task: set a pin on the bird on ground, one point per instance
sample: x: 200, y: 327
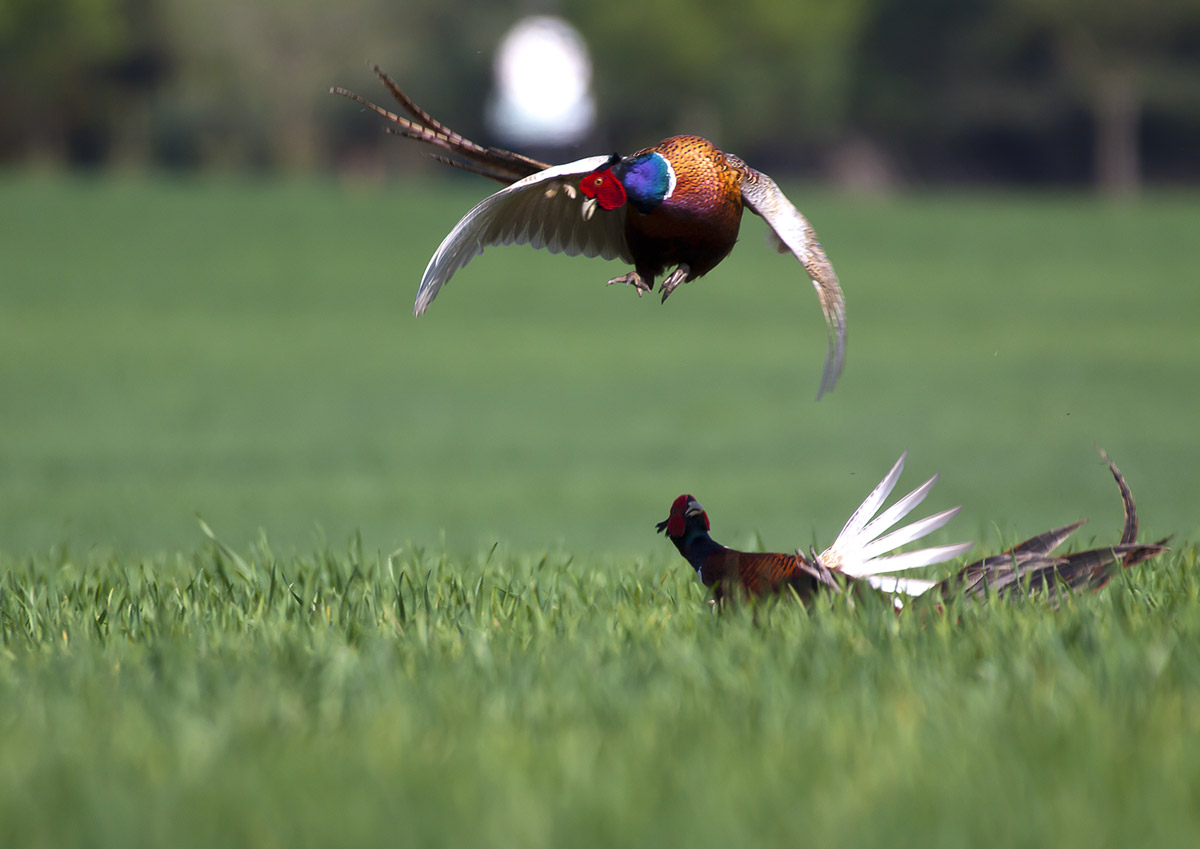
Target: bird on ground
x: 860, y: 558
x: 675, y: 205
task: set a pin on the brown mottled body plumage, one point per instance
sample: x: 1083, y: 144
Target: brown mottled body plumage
x: 697, y: 226
x: 757, y: 574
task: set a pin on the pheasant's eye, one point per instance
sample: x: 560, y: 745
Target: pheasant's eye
x: 605, y: 188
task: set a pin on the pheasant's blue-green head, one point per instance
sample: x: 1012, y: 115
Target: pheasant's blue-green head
x: 645, y: 181
x: 648, y: 178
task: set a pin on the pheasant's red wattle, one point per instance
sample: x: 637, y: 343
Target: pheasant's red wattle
x: 604, y: 187
x: 675, y: 525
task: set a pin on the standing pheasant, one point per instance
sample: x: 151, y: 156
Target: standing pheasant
x: 859, y: 556
x: 676, y: 205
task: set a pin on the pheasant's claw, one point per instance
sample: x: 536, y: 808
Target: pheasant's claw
x: 679, y: 275
x: 632, y: 279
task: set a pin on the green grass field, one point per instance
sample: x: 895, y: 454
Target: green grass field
x: 356, y: 699
x: 439, y: 614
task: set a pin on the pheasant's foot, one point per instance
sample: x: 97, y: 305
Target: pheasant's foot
x: 679, y: 275
x: 632, y: 279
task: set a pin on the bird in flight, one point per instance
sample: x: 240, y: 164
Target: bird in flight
x: 677, y: 205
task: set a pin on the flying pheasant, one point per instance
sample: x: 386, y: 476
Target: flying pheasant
x: 675, y: 205
x: 859, y: 558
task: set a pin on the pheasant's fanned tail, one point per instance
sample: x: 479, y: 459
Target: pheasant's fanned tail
x: 861, y: 549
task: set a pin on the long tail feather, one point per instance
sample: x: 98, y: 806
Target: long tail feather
x: 1094, y: 569
x: 1031, y: 568
x: 522, y: 165
x: 495, y: 163
x: 481, y: 170
x: 1039, y: 546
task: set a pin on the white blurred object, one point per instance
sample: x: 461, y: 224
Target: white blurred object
x: 543, y: 79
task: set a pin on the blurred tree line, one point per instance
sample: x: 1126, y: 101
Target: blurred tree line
x: 865, y: 92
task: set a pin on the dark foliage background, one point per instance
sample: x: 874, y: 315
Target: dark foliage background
x: 864, y: 93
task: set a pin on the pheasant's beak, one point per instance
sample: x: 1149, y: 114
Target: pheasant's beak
x: 693, y: 509
x: 589, y: 209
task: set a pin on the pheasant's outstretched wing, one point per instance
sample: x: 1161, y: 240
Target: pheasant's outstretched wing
x: 861, y: 549
x: 544, y: 210
x: 796, y: 235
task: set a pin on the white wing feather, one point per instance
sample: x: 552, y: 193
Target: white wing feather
x: 905, y: 586
x: 916, y: 559
x: 860, y: 548
x: 544, y: 210
x: 793, y: 231
x: 908, y: 533
x: 870, y: 506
